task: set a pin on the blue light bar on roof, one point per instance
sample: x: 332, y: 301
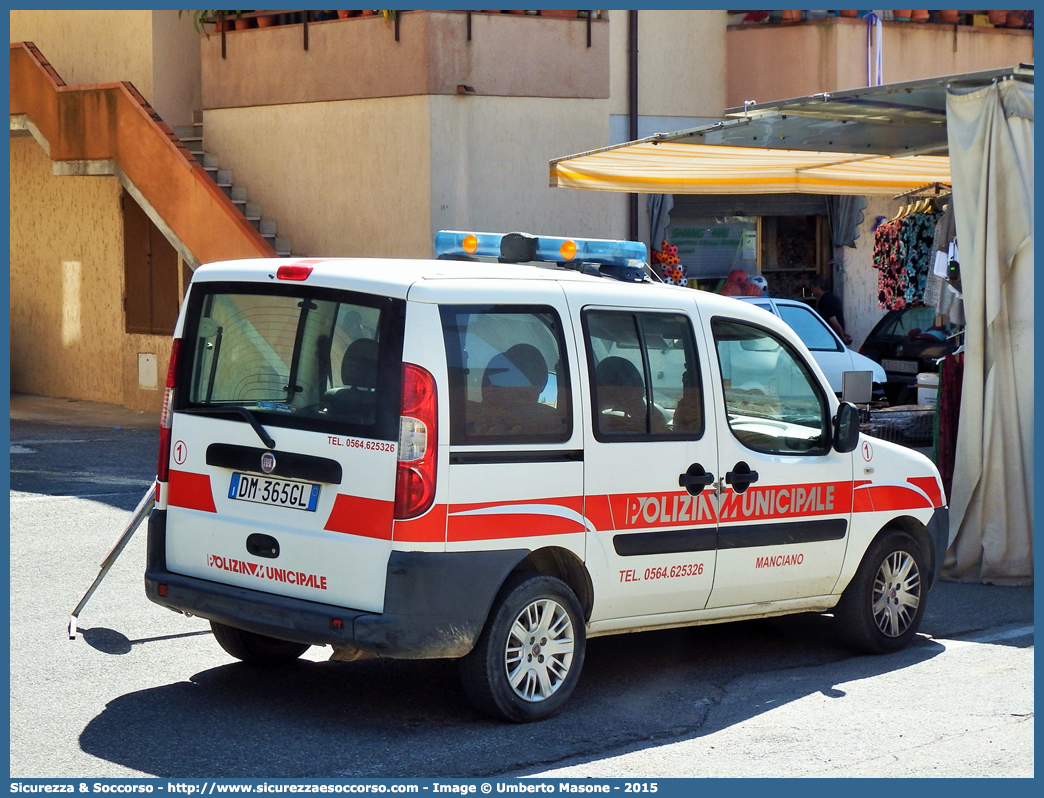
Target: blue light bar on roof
x: 551, y: 249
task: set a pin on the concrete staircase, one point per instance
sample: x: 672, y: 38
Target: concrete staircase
x: 192, y: 137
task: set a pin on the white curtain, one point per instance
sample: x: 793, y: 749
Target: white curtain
x: 991, y: 507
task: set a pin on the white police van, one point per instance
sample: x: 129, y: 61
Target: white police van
x: 496, y: 461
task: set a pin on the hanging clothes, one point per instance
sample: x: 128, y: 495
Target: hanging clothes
x: 919, y: 234
x: 903, y: 256
x: 889, y: 256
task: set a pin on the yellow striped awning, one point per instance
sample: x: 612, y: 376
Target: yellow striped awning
x: 675, y: 168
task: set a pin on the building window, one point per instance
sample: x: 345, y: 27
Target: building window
x: 151, y: 294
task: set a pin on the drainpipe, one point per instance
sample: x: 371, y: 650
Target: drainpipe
x: 632, y: 102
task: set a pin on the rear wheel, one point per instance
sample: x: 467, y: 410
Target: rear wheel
x: 527, y: 660
x: 881, y: 609
x: 254, y: 648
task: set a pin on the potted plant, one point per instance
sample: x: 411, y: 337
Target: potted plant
x: 1016, y: 19
x: 559, y: 13
x: 998, y: 17
x: 849, y: 14
x: 918, y: 16
x: 901, y: 16
x: 223, y: 20
x: 949, y: 17
x: 791, y: 16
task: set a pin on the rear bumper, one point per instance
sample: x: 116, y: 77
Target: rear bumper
x: 435, y: 603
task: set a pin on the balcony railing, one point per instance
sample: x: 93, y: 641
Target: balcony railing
x: 409, y: 53
x: 990, y: 18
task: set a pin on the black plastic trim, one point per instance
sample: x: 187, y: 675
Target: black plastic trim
x: 435, y: 603
x: 939, y: 532
x: 781, y: 534
x: 671, y: 541
x: 288, y: 464
x: 485, y: 458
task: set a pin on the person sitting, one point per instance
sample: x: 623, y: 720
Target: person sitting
x: 621, y: 399
x: 511, y: 387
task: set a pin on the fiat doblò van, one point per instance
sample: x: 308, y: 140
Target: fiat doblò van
x: 496, y: 461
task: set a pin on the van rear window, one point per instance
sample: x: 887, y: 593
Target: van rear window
x: 293, y: 356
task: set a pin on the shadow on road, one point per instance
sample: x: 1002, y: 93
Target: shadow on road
x: 109, y: 641
x: 113, y: 466
x: 394, y: 718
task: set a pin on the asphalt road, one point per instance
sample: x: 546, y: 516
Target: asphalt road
x: 144, y: 691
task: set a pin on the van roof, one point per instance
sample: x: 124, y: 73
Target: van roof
x: 394, y: 276
x: 389, y: 276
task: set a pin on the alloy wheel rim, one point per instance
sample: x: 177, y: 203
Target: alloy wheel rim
x: 539, y: 650
x: 897, y: 594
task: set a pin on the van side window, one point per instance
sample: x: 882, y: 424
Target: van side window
x: 508, y: 380
x: 644, y: 376
x: 773, y: 402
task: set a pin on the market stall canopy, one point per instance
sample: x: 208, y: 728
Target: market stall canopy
x: 652, y: 167
x: 877, y: 140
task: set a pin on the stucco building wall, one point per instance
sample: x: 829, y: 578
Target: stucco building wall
x: 66, y: 284
x: 857, y: 285
x: 66, y: 280
x: 777, y: 62
x: 348, y: 178
x: 489, y: 166
x: 157, y: 51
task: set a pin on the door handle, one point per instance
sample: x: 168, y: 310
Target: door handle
x: 740, y: 477
x: 695, y: 479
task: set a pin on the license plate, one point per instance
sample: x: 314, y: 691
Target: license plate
x: 902, y: 366
x: 275, y: 492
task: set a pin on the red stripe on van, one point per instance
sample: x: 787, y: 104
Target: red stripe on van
x: 501, y: 522
x: 190, y: 490
x: 929, y: 485
x: 599, y: 513
x: 861, y: 501
x: 428, y: 528
x: 894, y: 497
x: 368, y: 518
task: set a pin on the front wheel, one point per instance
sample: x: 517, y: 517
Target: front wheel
x: 881, y: 609
x: 527, y: 660
x: 254, y: 648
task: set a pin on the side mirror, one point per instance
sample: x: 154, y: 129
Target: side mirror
x: 846, y: 428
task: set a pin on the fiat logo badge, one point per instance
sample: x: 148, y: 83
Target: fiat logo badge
x: 268, y: 462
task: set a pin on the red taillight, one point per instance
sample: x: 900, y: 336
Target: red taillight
x: 418, y: 443
x: 167, y: 415
x: 293, y: 272
x: 161, y: 589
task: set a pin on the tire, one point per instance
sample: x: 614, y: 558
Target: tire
x: 254, y: 648
x: 528, y: 658
x: 881, y: 609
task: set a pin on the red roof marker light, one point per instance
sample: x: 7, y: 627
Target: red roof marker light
x: 293, y: 272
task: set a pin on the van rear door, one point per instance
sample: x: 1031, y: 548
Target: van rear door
x: 283, y: 441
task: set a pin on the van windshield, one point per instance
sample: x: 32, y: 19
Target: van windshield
x: 309, y: 358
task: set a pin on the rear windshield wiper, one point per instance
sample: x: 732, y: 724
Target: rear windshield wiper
x: 214, y: 410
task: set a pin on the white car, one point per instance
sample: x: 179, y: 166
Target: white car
x: 825, y: 345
